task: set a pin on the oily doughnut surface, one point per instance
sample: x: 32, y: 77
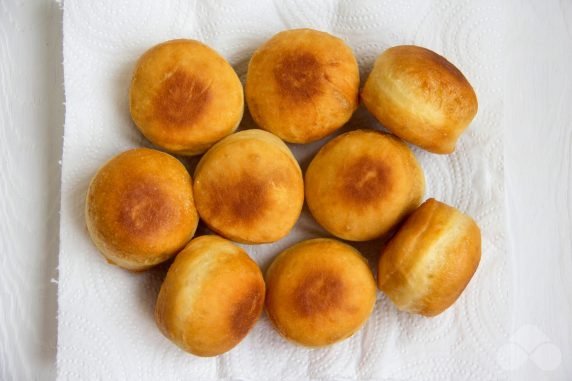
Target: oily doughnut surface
x: 362, y: 183
x: 249, y: 187
x: 185, y: 97
x: 140, y: 209
x: 302, y: 85
x: 319, y: 292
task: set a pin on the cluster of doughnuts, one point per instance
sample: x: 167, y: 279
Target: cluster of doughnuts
x: 143, y: 208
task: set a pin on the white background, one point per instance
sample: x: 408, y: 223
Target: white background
x: 538, y: 166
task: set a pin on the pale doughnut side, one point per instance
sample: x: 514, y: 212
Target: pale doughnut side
x: 421, y: 97
x: 429, y: 262
x: 211, y: 298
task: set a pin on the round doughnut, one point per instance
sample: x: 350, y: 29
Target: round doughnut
x: 211, y: 298
x: 319, y: 292
x: 184, y: 96
x: 139, y: 208
x: 302, y: 85
x: 249, y: 187
x: 363, y: 183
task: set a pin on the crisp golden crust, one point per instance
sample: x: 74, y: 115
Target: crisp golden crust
x: 302, y: 85
x: 431, y: 259
x: 362, y: 183
x: 211, y: 298
x: 249, y: 187
x: 140, y: 209
x: 421, y: 97
x: 319, y: 291
x: 184, y: 96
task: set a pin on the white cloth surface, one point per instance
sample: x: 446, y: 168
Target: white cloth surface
x: 106, y: 328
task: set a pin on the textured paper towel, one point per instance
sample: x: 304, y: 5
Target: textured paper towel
x: 106, y: 328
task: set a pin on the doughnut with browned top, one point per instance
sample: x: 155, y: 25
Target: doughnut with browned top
x: 319, y: 292
x: 249, y: 188
x: 185, y: 97
x: 140, y: 209
x: 302, y: 85
x: 362, y: 183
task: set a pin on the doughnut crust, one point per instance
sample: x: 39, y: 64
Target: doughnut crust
x: 184, y: 96
x: 420, y: 97
x: 362, y: 183
x: 249, y: 187
x: 302, y: 85
x: 319, y: 292
x: 139, y: 208
x: 429, y: 262
x: 211, y: 298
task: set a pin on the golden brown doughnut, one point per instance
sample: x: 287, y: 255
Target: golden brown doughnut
x: 249, y: 188
x: 420, y: 97
x: 211, y: 298
x: 302, y: 85
x: 362, y: 183
x: 319, y: 292
x: 429, y: 262
x: 139, y: 208
x: 184, y: 96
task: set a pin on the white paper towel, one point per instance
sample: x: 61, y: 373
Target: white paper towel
x: 106, y: 327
